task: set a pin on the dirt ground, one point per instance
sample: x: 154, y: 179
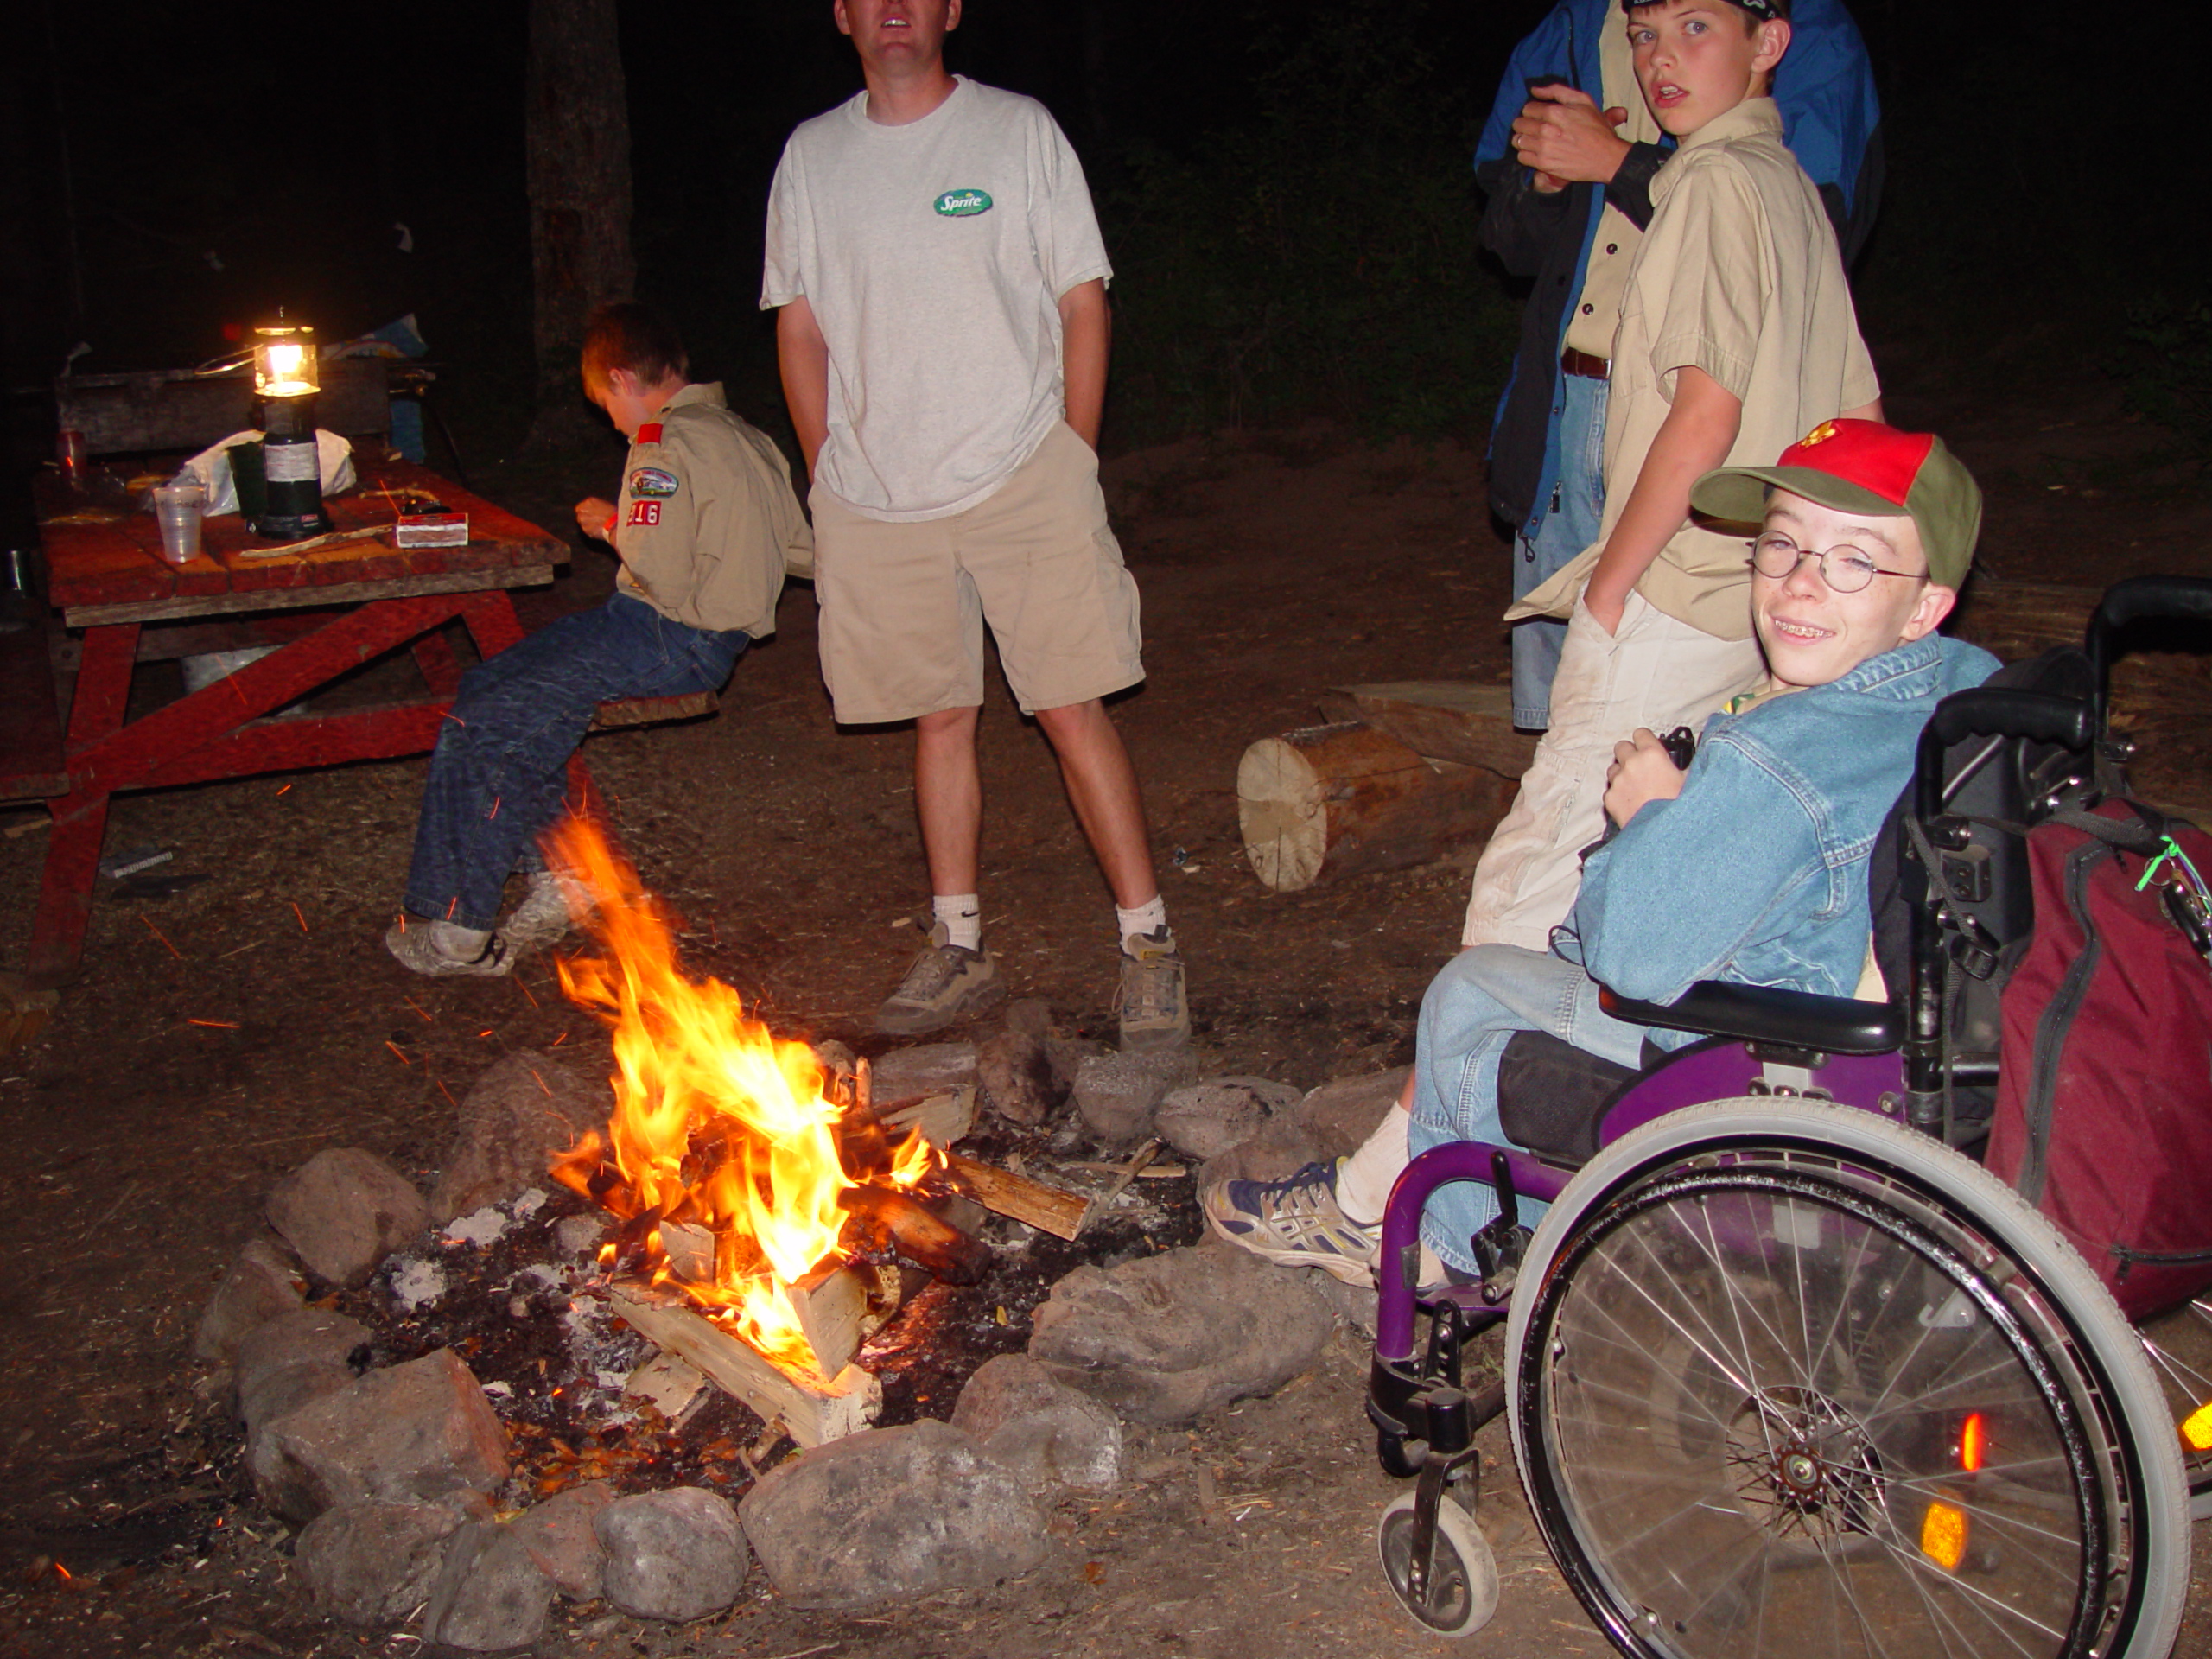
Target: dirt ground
x: 1272, y: 566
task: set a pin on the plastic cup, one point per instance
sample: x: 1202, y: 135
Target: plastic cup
x: 178, y: 508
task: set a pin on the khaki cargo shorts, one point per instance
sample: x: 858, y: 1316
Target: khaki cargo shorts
x: 903, y: 605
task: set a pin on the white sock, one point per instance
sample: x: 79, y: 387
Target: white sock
x: 962, y: 916
x: 1144, y: 919
x: 1364, y: 1180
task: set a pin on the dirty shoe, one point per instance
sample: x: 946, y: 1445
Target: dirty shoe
x: 1155, y: 1012
x: 1294, y: 1223
x: 547, y: 911
x: 946, y: 983
x: 440, y: 948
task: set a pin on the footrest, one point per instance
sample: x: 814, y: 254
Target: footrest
x: 652, y: 711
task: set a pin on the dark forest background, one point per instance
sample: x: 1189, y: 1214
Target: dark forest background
x: 1286, y: 189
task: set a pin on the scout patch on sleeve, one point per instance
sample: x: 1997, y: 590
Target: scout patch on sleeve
x: 652, y: 482
x: 645, y: 512
x: 964, y: 204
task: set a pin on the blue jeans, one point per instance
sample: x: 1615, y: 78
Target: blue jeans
x: 1471, y: 1010
x: 1563, y: 526
x: 497, y: 775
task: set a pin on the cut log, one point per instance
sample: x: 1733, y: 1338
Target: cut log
x: 1440, y: 720
x: 813, y: 1411
x: 1046, y: 1208
x: 942, y: 1119
x: 927, y: 1241
x: 840, y: 1306
x: 1333, y: 801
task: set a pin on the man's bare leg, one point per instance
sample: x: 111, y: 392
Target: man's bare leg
x: 953, y: 977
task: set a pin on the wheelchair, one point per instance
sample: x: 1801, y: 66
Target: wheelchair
x: 1786, y: 1370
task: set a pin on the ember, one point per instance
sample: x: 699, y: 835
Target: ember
x: 718, y: 1124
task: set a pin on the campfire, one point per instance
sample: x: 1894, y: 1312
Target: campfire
x: 750, y: 1178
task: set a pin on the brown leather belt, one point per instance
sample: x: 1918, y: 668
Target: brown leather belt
x: 1582, y: 363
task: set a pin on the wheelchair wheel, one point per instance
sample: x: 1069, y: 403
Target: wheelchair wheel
x: 1787, y: 1378
x: 1462, y: 1589
x: 2180, y: 1347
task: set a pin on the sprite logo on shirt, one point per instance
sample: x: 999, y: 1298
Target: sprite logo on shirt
x: 964, y: 204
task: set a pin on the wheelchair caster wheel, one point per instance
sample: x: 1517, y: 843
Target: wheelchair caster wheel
x: 1400, y: 1457
x: 1462, y: 1589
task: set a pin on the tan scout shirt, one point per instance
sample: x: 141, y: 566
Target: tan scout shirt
x: 1596, y: 315
x: 706, y: 521
x: 1739, y: 275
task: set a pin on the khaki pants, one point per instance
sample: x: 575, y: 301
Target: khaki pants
x: 1655, y: 672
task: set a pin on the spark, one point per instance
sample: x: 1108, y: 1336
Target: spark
x: 163, y: 937
x: 457, y: 719
x: 218, y: 1025
x: 525, y: 990
x: 452, y: 907
x: 302, y: 914
x: 562, y: 1039
x: 447, y: 1092
x: 486, y: 1032
x: 541, y: 1082
x: 494, y: 812
x: 396, y: 1049
x: 418, y: 1007
x: 282, y: 791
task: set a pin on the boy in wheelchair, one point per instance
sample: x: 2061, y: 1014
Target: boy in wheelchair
x: 1751, y: 867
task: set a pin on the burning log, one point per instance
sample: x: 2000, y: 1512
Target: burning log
x: 1046, y: 1208
x: 919, y: 1237
x: 813, y: 1411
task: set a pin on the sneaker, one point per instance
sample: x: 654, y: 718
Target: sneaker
x: 1294, y: 1223
x: 547, y: 911
x: 946, y: 983
x: 1155, y: 1012
x: 432, y: 948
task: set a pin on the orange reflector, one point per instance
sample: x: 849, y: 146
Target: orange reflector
x: 1943, y: 1536
x: 2197, y: 1429
x: 1973, y: 1440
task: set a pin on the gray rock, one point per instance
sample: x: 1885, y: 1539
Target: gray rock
x: 676, y: 1554
x: 559, y: 1536
x: 259, y: 1286
x: 405, y: 1434
x: 1283, y: 1147
x: 581, y: 1234
x: 1067, y: 1055
x: 889, y: 1514
x: 490, y: 1594
x: 1015, y: 1077
x: 1165, y: 1338
x: 284, y: 1361
x: 374, y: 1564
x: 917, y: 1072
x: 1206, y: 1119
x: 1031, y: 1015
x: 1038, y: 1426
x: 519, y: 1113
x: 1341, y: 1115
x: 1118, y: 1094
x: 343, y: 1211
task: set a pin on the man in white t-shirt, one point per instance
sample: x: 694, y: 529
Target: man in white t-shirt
x: 940, y: 287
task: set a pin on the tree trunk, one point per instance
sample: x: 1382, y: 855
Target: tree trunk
x: 579, y: 159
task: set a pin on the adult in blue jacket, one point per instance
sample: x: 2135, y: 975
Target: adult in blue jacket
x: 1565, y: 162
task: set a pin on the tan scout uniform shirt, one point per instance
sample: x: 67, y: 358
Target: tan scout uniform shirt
x: 706, y: 521
x: 1596, y: 315
x: 1739, y: 275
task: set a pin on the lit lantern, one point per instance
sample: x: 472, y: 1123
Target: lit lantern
x: 285, y: 382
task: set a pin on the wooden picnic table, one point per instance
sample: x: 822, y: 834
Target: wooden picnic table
x: 326, y: 611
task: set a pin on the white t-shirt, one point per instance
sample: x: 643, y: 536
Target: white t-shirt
x: 933, y: 256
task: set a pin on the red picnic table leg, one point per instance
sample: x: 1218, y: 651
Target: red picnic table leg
x: 73, y: 855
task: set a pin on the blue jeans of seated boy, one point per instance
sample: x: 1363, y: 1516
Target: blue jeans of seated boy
x: 1471, y: 1009
x: 1556, y: 536
x: 498, y: 776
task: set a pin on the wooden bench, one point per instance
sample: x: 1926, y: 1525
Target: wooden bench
x: 653, y: 711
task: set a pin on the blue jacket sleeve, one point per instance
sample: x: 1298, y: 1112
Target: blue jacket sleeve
x: 1548, y: 49
x: 1830, y: 109
x: 1691, y: 882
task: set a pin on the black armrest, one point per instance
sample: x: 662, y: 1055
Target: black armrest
x: 1760, y: 1014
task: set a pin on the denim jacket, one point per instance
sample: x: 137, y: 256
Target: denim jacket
x: 1757, y: 871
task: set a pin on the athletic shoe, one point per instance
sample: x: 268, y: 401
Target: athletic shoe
x: 432, y: 948
x: 547, y: 911
x: 1294, y: 1223
x: 1155, y: 1012
x: 946, y: 983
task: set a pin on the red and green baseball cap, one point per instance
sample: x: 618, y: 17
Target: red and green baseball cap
x: 1864, y: 467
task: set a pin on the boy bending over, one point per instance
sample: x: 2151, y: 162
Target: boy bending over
x: 1749, y: 868
x: 704, y: 525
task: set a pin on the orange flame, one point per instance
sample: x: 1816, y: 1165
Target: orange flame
x: 717, y: 1122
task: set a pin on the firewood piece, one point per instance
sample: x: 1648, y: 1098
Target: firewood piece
x: 1048, y: 1209
x: 1122, y: 1176
x: 1440, y: 720
x: 1328, y: 802
x: 835, y: 1304
x: 814, y: 1412
x: 690, y: 1250
x: 942, y: 1119
x: 919, y: 1237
